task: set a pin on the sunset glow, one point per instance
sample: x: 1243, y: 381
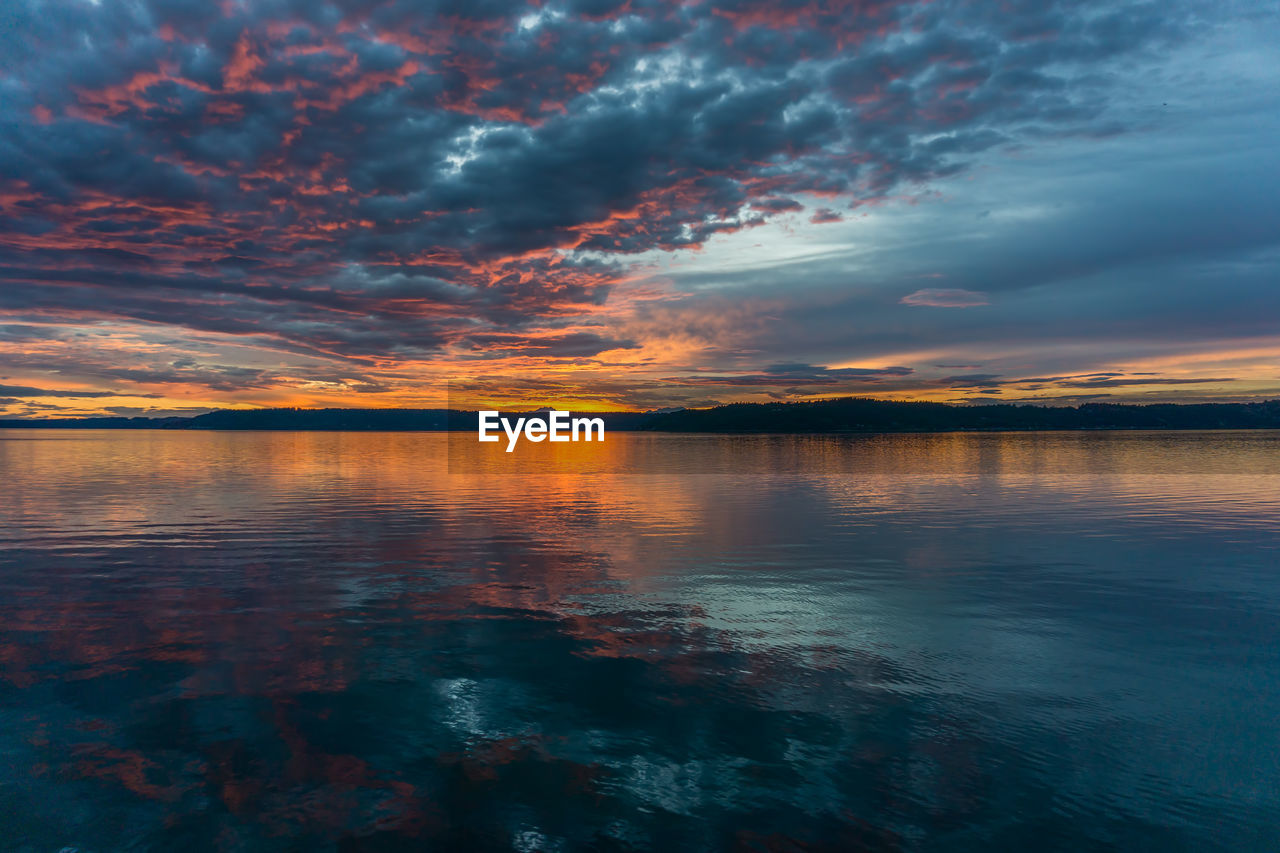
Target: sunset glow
x: 637, y: 205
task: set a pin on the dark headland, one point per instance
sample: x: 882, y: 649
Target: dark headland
x: 852, y: 414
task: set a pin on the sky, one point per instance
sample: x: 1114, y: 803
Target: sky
x: 635, y: 205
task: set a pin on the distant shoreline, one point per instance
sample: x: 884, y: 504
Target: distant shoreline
x: 851, y: 415
x: 940, y: 431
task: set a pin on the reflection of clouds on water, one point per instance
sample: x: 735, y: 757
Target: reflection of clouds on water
x: 245, y: 643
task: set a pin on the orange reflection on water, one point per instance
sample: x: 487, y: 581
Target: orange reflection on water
x: 399, y: 635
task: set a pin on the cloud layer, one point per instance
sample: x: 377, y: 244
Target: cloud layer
x: 298, y: 202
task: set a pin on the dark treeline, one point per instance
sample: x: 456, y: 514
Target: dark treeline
x: 851, y: 414
x: 854, y: 414
x: 354, y: 420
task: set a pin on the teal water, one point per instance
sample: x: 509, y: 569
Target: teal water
x: 340, y: 641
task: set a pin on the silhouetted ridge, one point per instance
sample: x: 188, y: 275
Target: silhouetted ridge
x: 315, y: 420
x: 854, y: 414
x: 850, y: 414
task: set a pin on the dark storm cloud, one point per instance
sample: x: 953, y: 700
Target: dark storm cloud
x: 809, y: 371
x: 1092, y: 257
x: 1117, y: 383
x: 568, y: 345
x: 380, y: 181
x: 780, y: 375
x: 993, y: 382
x: 972, y: 380
x: 23, y: 391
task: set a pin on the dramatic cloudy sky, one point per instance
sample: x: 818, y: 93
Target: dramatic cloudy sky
x: 635, y: 204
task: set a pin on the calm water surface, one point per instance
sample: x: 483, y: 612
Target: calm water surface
x: 329, y: 641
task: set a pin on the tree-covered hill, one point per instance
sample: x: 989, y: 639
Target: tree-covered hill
x: 850, y: 414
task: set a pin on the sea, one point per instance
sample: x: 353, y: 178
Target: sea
x: 328, y: 641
